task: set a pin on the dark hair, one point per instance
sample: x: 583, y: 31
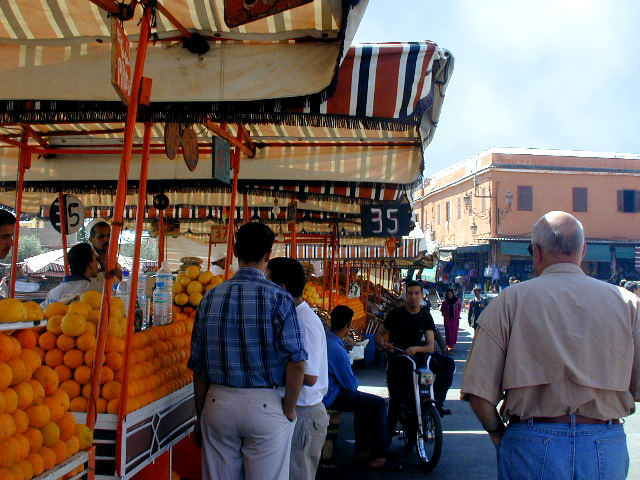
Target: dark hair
x: 92, y: 232
x: 623, y: 282
x: 341, y: 316
x: 80, y: 256
x: 288, y: 272
x: 253, y: 241
x: 631, y: 285
x: 6, y: 218
x: 413, y: 283
x: 450, y: 290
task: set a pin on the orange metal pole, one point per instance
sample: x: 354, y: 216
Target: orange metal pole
x: 24, y: 161
x: 161, y: 239
x: 63, y: 229
x: 209, y: 258
x: 245, y: 208
x: 133, y: 294
x: 237, y: 152
x: 116, y: 227
x: 325, y: 272
x: 346, y: 264
x: 294, y: 240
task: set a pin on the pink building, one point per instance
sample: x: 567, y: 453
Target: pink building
x: 481, y: 210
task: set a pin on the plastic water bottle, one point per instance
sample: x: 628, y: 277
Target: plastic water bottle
x: 160, y: 305
x: 165, y: 277
x: 122, y: 290
x: 142, y: 298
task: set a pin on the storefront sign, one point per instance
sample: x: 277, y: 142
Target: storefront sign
x: 221, y: 151
x: 74, y: 214
x: 121, y: 78
x: 386, y: 220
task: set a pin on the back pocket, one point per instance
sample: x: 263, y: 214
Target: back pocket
x: 613, y: 458
x: 522, y: 458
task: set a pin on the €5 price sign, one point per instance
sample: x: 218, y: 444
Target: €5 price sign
x: 74, y: 214
x: 389, y: 219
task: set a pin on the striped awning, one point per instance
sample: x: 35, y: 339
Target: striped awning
x: 407, y: 249
x: 294, y: 53
x: 638, y: 258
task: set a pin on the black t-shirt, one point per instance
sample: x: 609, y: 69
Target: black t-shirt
x: 407, y: 329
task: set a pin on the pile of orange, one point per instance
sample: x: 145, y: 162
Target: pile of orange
x: 314, y: 293
x: 37, y: 431
x: 192, y: 284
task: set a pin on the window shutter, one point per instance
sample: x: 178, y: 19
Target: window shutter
x: 620, y: 200
x: 579, y: 199
x: 525, y: 198
x: 637, y: 209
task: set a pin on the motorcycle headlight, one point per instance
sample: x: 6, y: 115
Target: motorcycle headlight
x: 425, y: 376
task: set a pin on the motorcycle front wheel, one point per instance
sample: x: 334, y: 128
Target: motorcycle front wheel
x: 429, y: 443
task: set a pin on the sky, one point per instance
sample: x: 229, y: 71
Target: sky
x: 552, y: 74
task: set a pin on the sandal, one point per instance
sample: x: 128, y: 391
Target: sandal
x: 388, y: 466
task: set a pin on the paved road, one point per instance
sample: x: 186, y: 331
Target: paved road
x: 467, y: 451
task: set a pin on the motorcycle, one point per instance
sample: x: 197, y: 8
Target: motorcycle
x: 419, y: 416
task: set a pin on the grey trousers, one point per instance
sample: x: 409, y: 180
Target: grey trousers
x: 245, y: 435
x: 308, y: 439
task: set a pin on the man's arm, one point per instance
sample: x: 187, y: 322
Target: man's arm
x: 379, y: 338
x: 309, y: 380
x: 200, y: 388
x: 489, y: 417
x: 428, y: 348
x: 295, y: 376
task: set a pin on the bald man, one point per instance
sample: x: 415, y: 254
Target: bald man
x: 563, y: 352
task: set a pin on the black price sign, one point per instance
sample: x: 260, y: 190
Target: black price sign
x: 74, y: 216
x: 386, y: 220
x: 292, y: 211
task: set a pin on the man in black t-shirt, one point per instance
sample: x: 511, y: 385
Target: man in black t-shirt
x: 411, y: 329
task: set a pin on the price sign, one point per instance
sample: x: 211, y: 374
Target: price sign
x: 121, y: 78
x: 292, y: 210
x: 74, y: 216
x: 386, y: 220
x: 219, y: 233
x: 221, y: 152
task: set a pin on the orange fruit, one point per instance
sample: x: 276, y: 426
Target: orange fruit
x: 39, y: 415
x: 92, y: 298
x: 55, y: 308
x: 78, y: 404
x: 82, y: 375
x: 86, y: 391
x: 37, y: 463
x: 12, y: 310
x: 73, y: 324
x: 6, y: 347
x: 7, y: 454
x: 48, y: 378
x: 82, y: 308
x: 19, y: 369
x: 64, y: 373
x: 67, y: 426
x: 111, y: 344
x: 31, y: 359
x: 21, y: 419
x: 48, y: 457
x: 89, y: 356
x: 73, y: 359
x: 85, y: 436
x: 54, y: 324
x: 27, y: 338
x: 17, y: 472
x: 62, y: 397
x: 11, y: 400
x: 92, y: 329
x: 55, y: 409
x: 7, y: 426
x: 72, y: 388
x: 27, y: 469
x: 85, y: 341
x: 114, y: 360
x: 101, y: 405
x: 24, y: 390
x: 38, y: 391
x: 112, y: 406
x: 6, y: 375
x: 60, y: 450
x: 17, y: 348
x: 47, y: 341
x: 54, y: 357
x: 3, y: 405
x: 106, y: 376
x: 34, y: 436
x: 111, y: 390
x: 50, y: 434
x: 73, y: 445
x: 40, y: 352
x: 24, y: 444
x: 65, y: 342
x: 6, y: 474
x: 93, y: 318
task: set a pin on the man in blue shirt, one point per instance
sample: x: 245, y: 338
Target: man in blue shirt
x: 246, y: 341
x: 370, y: 411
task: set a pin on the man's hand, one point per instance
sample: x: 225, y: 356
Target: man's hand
x: 496, y: 438
x: 387, y: 347
x: 197, y: 434
x: 289, y: 413
x: 411, y: 351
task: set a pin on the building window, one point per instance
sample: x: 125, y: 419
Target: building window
x: 629, y: 201
x: 470, y: 205
x: 448, y: 211
x: 579, y: 199
x: 525, y: 198
x: 484, y: 199
x: 437, y: 214
x: 459, y: 208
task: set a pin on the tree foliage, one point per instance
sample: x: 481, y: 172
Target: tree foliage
x: 148, y: 249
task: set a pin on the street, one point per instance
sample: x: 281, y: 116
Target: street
x: 467, y: 450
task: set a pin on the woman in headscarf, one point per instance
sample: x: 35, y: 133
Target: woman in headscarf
x: 450, y: 309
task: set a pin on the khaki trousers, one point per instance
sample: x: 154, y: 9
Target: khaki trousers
x: 308, y: 439
x: 245, y: 435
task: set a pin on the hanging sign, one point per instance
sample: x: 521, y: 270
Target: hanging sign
x: 390, y: 219
x: 171, y: 140
x: 121, y: 78
x: 239, y: 12
x: 189, y: 142
x: 74, y: 214
x: 292, y: 210
x: 219, y: 233
x: 221, y: 151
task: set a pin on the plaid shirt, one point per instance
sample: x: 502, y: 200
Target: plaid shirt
x: 245, y: 333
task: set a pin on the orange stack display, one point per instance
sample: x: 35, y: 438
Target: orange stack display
x: 313, y: 294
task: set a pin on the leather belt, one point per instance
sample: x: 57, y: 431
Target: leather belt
x: 562, y: 419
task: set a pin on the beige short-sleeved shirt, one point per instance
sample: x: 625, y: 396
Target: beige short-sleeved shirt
x: 561, y: 343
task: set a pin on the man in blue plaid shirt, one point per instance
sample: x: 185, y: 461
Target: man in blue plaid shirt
x: 246, y: 343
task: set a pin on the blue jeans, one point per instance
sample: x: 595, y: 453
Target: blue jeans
x: 553, y: 451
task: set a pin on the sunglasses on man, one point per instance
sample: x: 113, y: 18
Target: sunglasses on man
x: 530, y: 249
